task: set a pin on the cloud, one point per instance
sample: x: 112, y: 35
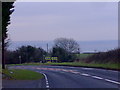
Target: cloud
x: 47, y: 21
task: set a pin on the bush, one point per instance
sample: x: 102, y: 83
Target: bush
x: 105, y: 57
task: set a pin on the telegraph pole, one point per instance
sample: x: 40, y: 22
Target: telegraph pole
x: 47, y: 50
x: 47, y: 47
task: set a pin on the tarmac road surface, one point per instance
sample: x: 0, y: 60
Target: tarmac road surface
x: 71, y: 77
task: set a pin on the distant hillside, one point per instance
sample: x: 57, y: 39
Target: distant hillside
x: 86, y: 46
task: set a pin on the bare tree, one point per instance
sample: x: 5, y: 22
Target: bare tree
x: 70, y: 45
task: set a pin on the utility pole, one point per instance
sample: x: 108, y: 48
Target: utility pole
x: 47, y: 50
x: 78, y: 54
x: 95, y: 51
x: 47, y: 47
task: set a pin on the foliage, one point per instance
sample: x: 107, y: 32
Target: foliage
x: 105, y: 57
x: 65, y: 49
x: 70, y: 45
x: 62, y: 54
x: 25, y: 54
x: 7, y: 9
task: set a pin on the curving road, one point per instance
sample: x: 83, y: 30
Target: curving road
x: 74, y: 77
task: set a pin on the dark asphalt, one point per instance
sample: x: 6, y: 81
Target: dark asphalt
x: 71, y: 77
x: 23, y: 83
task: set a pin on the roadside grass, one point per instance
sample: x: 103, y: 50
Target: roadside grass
x: 25, y: 64
x: 95, y: 65
x: 109, y: 65
x: 21, y: 74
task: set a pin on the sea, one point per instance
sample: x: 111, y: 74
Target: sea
x: 85, y: 46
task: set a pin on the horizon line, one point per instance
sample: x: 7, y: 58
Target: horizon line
x: 53, y: 40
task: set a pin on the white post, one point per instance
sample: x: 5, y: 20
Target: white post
x: 20, y: 59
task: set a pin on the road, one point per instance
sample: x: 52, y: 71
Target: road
x: 75, y: 77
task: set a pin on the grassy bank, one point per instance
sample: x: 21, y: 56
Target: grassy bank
x: 94, y: 65
x: 20, y: 74
x: 81, y: 64
x: 26, y: 64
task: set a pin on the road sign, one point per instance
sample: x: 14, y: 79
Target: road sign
x: 47, y: 58
x: 54, y: 58
x: 51, y: 58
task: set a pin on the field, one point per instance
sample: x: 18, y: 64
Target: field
x: 83, y: 55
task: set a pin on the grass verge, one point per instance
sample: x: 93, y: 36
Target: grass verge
x: 26, y: 64
x: 113, y: 66
x: 21, y: 74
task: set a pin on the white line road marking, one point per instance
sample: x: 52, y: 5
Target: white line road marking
x: 64, y: 70
x: 87, y: 68
x: 46, y: 81
x: 101, y: 78
x: 85, y: 74
x: 75, y: 72
x: 112, y: 81
x: 47, y: 84
x: 96, y: 77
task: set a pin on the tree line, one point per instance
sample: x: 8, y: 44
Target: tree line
x: 65, y: 49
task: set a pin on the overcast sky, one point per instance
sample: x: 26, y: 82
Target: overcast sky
x: 82, y: 21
